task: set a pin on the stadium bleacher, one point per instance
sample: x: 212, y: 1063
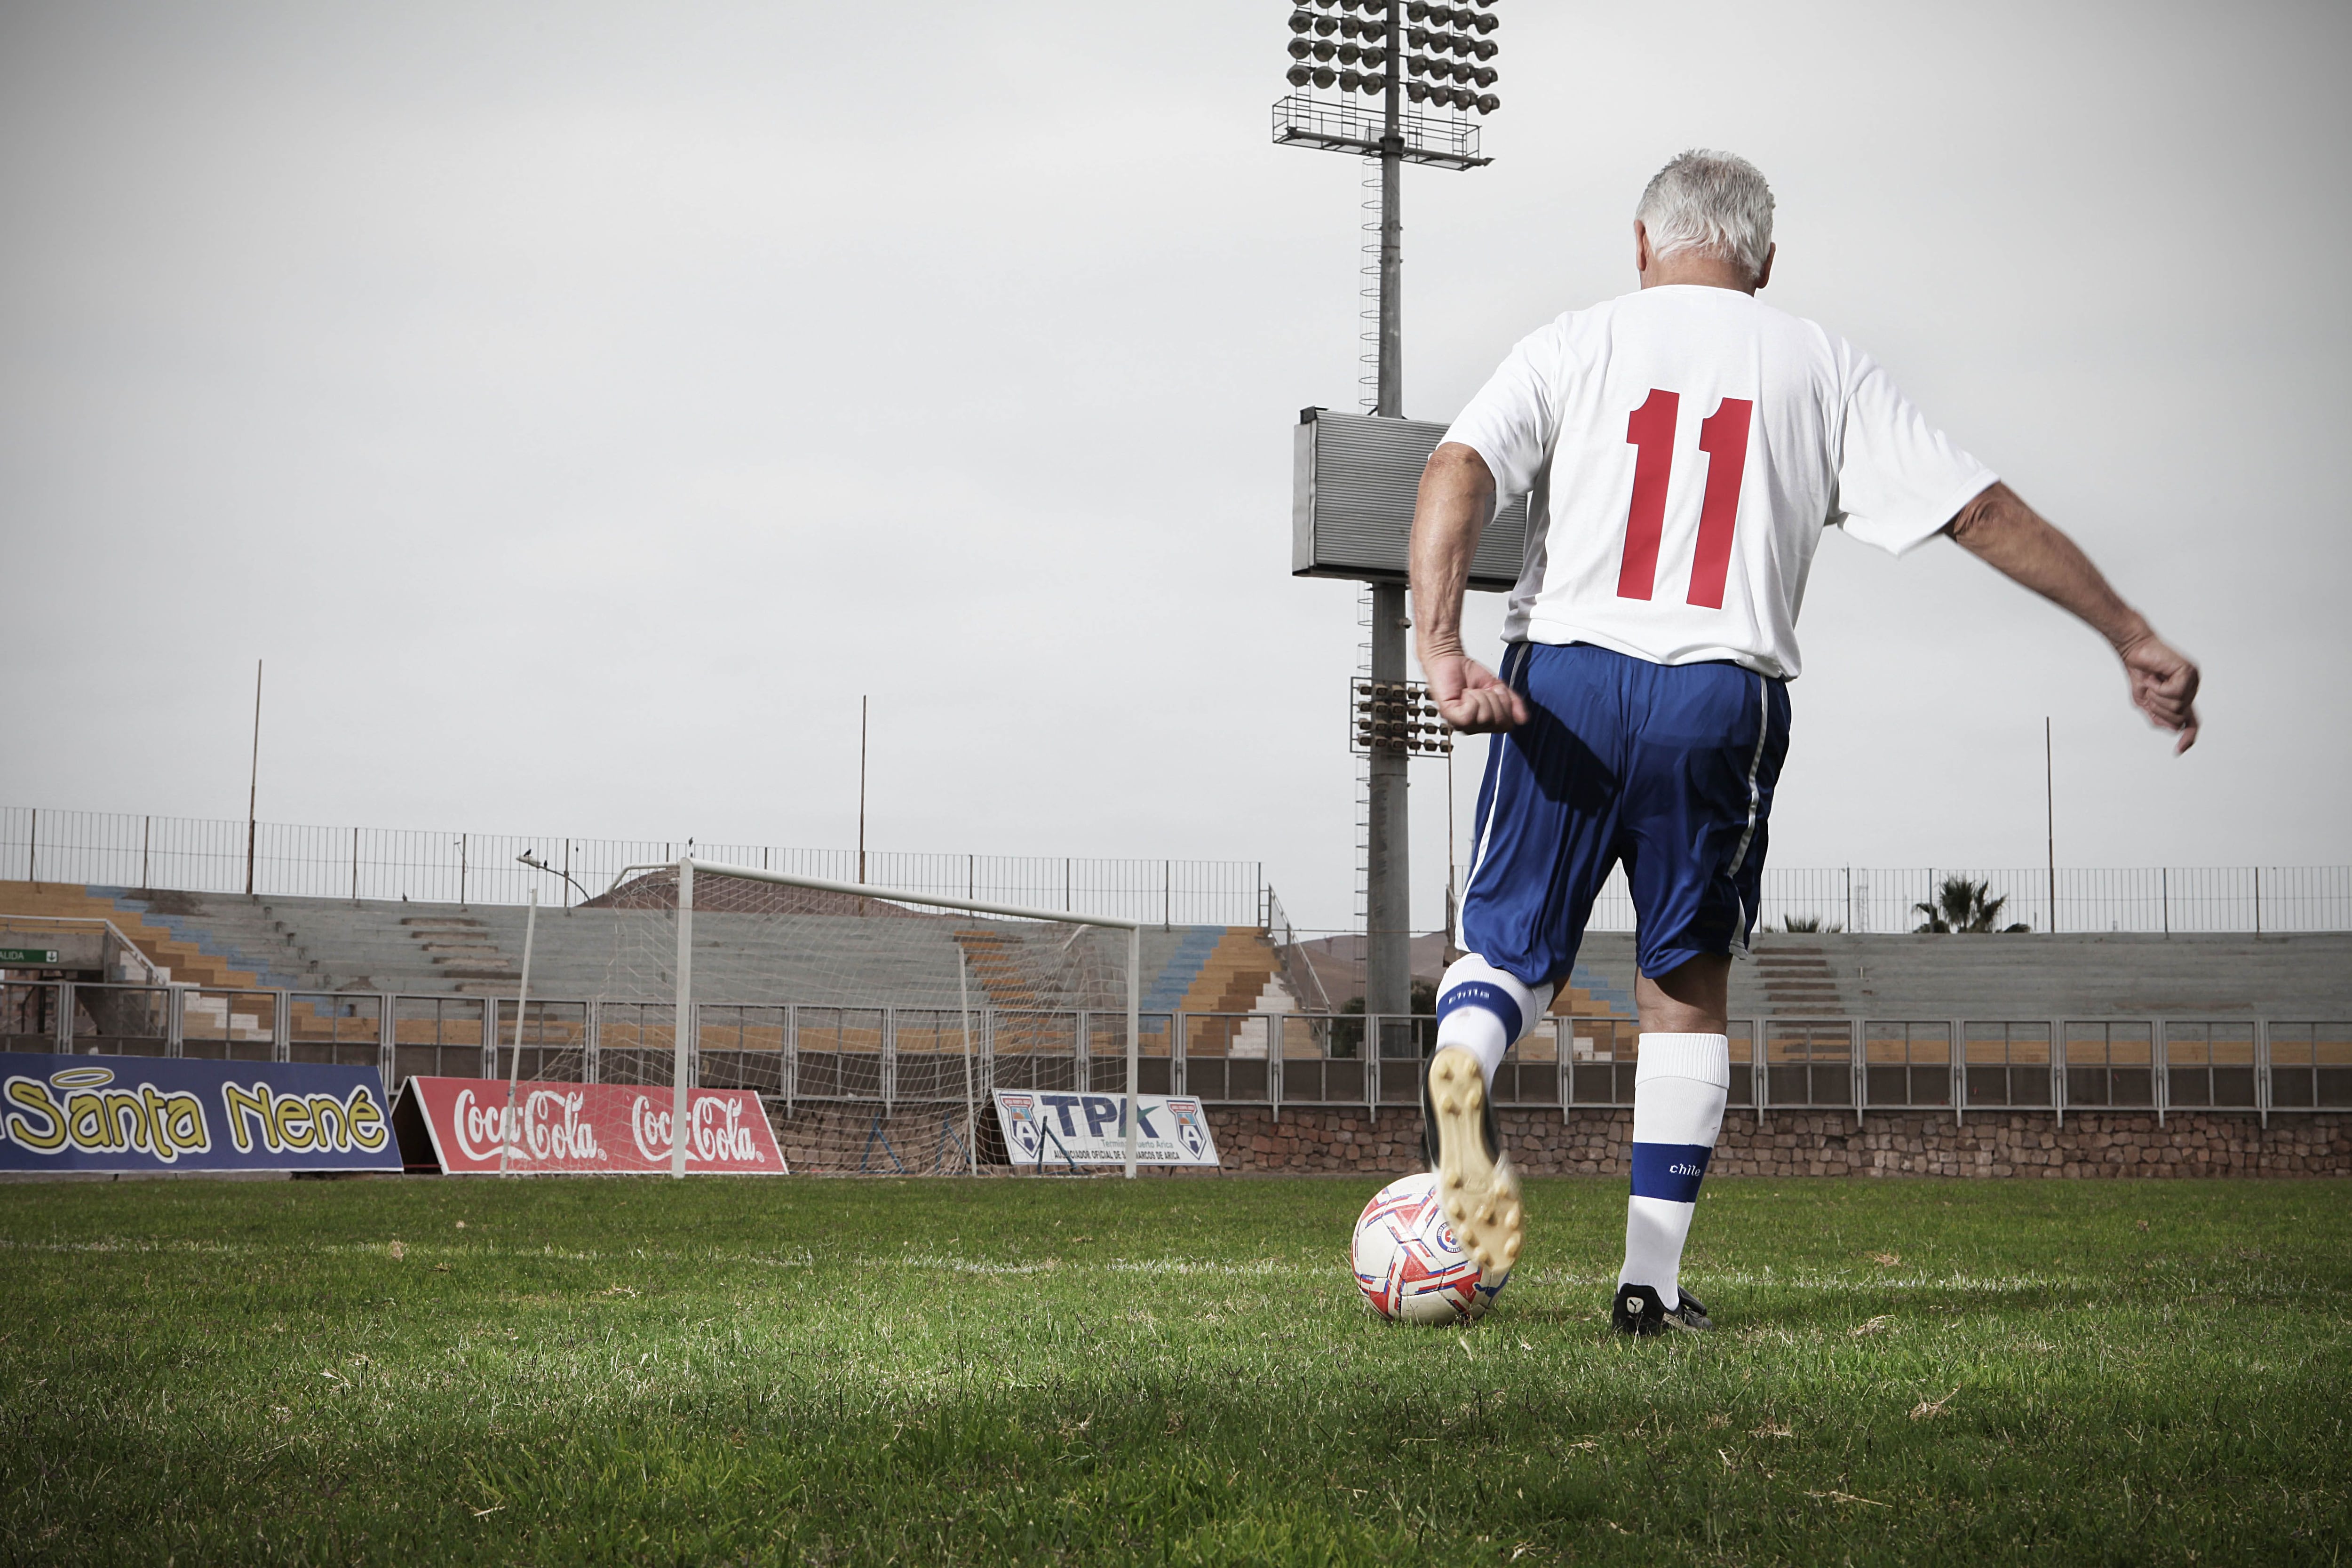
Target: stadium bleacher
x: 330, y: 944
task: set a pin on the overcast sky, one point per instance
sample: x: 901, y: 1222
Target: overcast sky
x: 580, y: 407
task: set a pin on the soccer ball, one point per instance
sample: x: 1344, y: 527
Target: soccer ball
x: 1408, y: 1264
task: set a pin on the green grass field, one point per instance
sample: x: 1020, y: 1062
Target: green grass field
x: 464, y: 1371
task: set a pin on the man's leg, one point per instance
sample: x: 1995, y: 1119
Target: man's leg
x: 1679, y: 1090
x: 1699, y: 802
x: 1546, y: 816
x: 1482, y: 1012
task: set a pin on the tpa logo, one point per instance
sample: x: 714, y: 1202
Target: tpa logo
x: 1020, y: 1123
x: 1189, y: 1131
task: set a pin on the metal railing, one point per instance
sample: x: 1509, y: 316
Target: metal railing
x: 201, y: 854
x: 2254, y: 900
x: 204, y: 855
x: 889, y: 1055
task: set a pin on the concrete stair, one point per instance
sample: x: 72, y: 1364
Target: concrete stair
x: 183, y: 958
x: 229, y: 941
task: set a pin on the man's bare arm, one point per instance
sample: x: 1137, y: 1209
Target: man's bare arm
x: 2011, y: 537
x: 1458, y: 497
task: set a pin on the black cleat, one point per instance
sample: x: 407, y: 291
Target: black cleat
x: 1636, y: 1311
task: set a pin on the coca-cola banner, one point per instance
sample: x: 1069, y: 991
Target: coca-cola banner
x: 461, y: 1125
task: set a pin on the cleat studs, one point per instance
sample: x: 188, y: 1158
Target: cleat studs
x: 1449, y: 1106
x: 1475, y: 1095
x: 1511, y: 1250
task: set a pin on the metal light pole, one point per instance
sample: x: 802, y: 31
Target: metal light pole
x: 1388, y: 839
x: 1448, y: 49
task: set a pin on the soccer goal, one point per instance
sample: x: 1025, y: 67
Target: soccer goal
x: 878, y: 1022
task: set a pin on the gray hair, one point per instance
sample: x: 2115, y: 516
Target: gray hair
x: 1715, y: 203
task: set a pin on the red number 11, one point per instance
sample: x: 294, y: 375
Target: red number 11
x: 1723, y: 436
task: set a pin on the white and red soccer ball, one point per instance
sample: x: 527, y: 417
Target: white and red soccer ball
x: 1408, y: 1264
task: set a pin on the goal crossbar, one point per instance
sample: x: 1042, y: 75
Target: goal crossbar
x: 683, y: 1031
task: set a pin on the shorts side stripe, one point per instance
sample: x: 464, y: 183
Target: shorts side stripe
x: 1755, y: 801
x: 1755, y: 766
x: 1494, y: 802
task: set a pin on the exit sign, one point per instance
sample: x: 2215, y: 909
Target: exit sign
x: 43, y: 955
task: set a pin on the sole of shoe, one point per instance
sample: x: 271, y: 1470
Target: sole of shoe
x: 1475, y: 1184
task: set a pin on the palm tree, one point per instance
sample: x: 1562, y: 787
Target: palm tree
x: 1961, y: 905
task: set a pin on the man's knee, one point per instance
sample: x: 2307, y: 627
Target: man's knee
x: 1692, y: 997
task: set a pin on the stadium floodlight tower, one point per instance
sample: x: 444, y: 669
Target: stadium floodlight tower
x: 1356, y: 477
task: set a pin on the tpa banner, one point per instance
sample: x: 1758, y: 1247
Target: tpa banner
x: 130, y: 1114
x: 581, y: 1129
x: 1053, y: 1128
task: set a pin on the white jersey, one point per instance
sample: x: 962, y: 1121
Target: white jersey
x: 1680, y: 449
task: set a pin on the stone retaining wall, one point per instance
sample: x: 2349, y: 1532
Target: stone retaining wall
x: 1306, y: 1140
x: 1820, y: 1144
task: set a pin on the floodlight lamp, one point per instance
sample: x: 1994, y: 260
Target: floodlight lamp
x: 1488, y: 103
x: 1348, y: 80
x: 1417, y: 36
x: 1486, y: 49
x: 1417, y: 65
x: 1485, y: 21
x: 1349, y: 54
x: 1300, y: 48
x: 1417, y: 90
x: 1325, y: 76
x: 1375, y: 83
x: 1376, y: 58
x: 1418, y: 11
x: 1485, y: 76
x: 1301, y: 21
x: 1324, y: 51
x: 1326, y: 26
x: 1325, y: 5
x: 1300, y: 74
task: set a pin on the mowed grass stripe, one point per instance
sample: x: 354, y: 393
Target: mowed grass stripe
x: 1161, y: 1372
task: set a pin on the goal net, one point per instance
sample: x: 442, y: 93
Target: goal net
x: 874, y: 1025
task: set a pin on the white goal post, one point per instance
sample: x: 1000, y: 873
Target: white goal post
x: 683, y: 1030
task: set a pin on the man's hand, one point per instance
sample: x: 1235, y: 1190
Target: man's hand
x: 2164, y: 686
x: 2011, y: 538
x: 1470, y: 697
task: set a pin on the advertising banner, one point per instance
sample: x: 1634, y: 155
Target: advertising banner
x: 581, y: 1129
x: 127, y: 1114
x: 1042, y: 1126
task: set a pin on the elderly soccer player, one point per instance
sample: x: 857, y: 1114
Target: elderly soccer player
x: 1682, y: 449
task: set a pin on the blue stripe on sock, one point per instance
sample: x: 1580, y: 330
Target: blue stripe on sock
x: 1669, y: 1171
x: 1480, y: 994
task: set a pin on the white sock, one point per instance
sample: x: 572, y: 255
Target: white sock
x: 1679, y: 1090
x: 1485, y: 1011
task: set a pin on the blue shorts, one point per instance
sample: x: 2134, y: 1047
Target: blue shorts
x: 1668, y: 768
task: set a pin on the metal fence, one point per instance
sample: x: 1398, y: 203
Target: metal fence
x: 886, y: 1056
x: 2255, y: 899
x: 209, y: 856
